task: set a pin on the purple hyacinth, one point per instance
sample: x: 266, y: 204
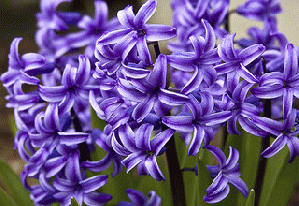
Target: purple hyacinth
x: 73, y: 185
x: 200, y: 60
x: 74, y: 86
x: 286, y: 134
x: 138, y: 198
x: 201, y: 121
x: 260, y: 9
x: 136, y: 24
x: 236, y: 61
x: 150, y: 92
x: 277, y: 84
x: 140, y: 149
x: 227, y: 172
x: 102, y: 140
x: 51, y: 19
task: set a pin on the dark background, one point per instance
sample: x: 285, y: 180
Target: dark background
x: 18, y: 20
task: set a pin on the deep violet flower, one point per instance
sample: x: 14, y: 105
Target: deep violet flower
x: 150, y: 92
x: 276, y: 84
x: 140, y: 149
x: 102, y: 140
x: 92, y: 29
x: 236, y: 61
x: 73, y: 185
x: 25, y: 68
x: 138, y: 198
x: 260, y: 9
x: 136, y: 24
x: 74, y: 85
x: 227, y: 172
x: 51, y: 19
x: 200, y: 122
x: 200, y: 60
x: 286, y: 134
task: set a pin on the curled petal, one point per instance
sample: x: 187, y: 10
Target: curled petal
x: 93, y: 183
x: 275, y: 147
x: 157, y: 32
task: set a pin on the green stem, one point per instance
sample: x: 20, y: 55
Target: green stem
x: 176, y: 177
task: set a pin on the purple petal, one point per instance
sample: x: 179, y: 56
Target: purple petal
x: 194, y: 82
x: 198, y: 136
x: 64, y: 185
x: 159, y: 73
x: 293, y: 144
x: 126, y: 17
x: 215, y: 118
x: 171, y: 98
x: 153, y: 168
x: 251, y: 53
x: 127, y: 137
x: 51, y: 117
x: 93, y: 183
x: 143, y: 51
x: 96, y: 199
x: 290, y: 61
x: 72, y: 138
x: 54, y: 165
x: 268, y: 92
x: 179, y: 123
x: 119, y: 149
x: 226, y: 48
x: 68, y: 76
x: 143, y: 108
x: 160, y: 140
x: 232, y: 160
x: 136, y: 197
x: 52, y: 94
x: 226, y: 67
x: 217, y: 197
x: 210, y: 37
x: 220, y: 156
x: 72, y: 168
x: 83, y: 72
x: 158, y: 32
x: 143, y: 135
x: 113, y: 37
x: 145, y: 13
x: 98, y: 166
x: 125, y: 45
x: 268, y: 125
x: 245, y: 74
x: 287, y: 101
x: 133, y: 159
x: 275, y: 147
x: 239, y: 184
x: 14, y: 59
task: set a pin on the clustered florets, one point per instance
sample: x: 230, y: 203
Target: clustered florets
x: 142, y: 103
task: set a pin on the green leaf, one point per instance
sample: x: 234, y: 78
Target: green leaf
x: 251, y: 198
x: 249, y: 158
x: 280, y: 179
x: 204, y: 179
x: 14, y: 186
x: 5, y: 200
x: 74, y: 202
x: 96, y: 121
x: 13, y: 126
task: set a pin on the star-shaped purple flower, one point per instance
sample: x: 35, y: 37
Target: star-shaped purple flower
x: 137, y: 24
x: 226, y: 172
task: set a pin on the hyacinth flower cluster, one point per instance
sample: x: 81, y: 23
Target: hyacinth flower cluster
x: 146, y: 102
